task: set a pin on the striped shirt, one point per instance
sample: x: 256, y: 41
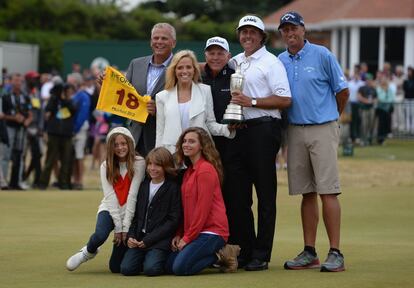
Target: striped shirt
x: 154, y: 73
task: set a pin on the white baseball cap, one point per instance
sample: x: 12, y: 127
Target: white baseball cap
x: 219, y: 42
x: 251, y: 20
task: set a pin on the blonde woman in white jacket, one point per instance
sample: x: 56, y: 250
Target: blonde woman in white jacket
x: 185, y: 103
x: 121, y: 174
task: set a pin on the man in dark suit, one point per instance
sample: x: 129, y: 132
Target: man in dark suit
x: 147, y: 75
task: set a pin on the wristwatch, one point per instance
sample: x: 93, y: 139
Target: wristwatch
x: 254, y: 102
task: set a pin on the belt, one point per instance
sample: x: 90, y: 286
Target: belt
x: 260, y: 120
x: 311, y: 124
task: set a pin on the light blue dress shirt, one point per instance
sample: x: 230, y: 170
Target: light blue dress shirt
x: 154, y: 73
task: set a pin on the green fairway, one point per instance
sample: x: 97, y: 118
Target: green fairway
x: 39, y: 230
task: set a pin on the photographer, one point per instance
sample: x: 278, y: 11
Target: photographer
x: 35, y: 129
x: 17, y: 117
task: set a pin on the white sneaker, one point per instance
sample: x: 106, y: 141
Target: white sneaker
x: 24, y: 185
x: 82, y: 256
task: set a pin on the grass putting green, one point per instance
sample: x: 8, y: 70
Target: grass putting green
x: 39, y: 230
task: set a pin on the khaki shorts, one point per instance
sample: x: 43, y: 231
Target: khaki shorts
x: 79, y: 144
x: 312, y: 159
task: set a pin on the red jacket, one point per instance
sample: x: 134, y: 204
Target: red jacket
x: 203, y: 203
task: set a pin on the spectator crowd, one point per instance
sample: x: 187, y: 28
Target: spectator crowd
x: 380, y: 104
x: 48, y: 125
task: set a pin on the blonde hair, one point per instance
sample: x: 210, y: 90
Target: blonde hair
x: 170, y: 78
x: 208, y: 150
x: 112, y: 161
x: 162, y: 157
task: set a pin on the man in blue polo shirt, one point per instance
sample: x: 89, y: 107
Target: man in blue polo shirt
x: 319, y: 93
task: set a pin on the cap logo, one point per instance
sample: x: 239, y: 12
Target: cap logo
x: 250, y: 20
x: 288, y: 16
x: 211, y: 41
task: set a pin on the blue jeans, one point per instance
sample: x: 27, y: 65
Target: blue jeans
x: 197, y: 255
x: 151, y: 262
x: 104, y: 226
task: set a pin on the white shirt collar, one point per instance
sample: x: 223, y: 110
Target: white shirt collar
x: 257, y: 54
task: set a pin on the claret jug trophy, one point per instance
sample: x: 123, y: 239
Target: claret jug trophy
x: 234, y: 112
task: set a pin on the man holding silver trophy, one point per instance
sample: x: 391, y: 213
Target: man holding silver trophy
x: 261, y: 88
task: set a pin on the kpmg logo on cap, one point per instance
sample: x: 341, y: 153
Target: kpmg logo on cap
x: 250, y: 19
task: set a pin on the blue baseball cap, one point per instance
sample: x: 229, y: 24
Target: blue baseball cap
x: 291, y: 17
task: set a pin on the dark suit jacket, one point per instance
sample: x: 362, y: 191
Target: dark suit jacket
x: 164, y: 215
x: 144, y: 134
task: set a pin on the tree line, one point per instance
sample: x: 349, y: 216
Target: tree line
x: 49, y: 23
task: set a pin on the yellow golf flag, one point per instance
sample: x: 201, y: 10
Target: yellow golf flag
x: 119, y: 97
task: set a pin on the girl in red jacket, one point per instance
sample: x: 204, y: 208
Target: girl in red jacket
x: 205, y: 230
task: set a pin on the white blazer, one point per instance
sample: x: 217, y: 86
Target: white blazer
x: 201, y: 115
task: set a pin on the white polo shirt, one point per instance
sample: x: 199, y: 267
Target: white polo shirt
x: 264, y: 75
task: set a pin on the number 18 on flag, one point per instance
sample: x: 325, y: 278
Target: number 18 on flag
x: 119, y: 97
